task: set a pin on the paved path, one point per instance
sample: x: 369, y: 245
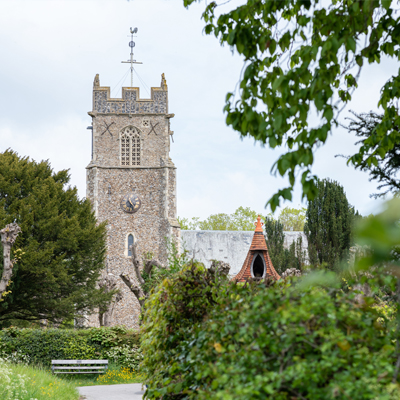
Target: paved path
x: 130, y: 391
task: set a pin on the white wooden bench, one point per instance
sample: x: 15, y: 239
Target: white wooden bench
x: 79, y: 366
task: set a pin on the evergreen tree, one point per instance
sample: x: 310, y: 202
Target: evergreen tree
x: 329, y: 224
x: 282, y: 258
x: 60, y: 248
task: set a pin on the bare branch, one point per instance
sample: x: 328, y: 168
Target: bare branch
x: 150, y: 264
x: 136, y: 290
x: 136, y: 264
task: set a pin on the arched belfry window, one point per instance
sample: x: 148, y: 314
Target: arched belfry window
x: 258, y: 266
x: 130, y: 146
x: 129, y: 244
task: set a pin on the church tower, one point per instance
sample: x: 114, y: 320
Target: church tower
x: 131, y: 182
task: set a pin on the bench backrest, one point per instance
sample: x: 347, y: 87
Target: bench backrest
x: 54, y: 362
x: 74, y: 366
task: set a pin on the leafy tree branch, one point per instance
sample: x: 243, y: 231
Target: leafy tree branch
x: 303, y: 56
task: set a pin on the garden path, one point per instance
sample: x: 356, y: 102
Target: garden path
x: 128, y: 391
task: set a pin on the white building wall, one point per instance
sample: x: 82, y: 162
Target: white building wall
x: 228, y: 246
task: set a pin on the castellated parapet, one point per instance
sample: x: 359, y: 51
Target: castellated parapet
x: 130, y: 154
x: 130, y: 103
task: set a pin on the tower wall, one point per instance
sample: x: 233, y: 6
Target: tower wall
x: 153, y: 181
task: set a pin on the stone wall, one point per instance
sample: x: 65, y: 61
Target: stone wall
x: 153, y: 181
x: 228, y: 246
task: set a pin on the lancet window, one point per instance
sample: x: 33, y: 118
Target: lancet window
x: 130, y: 146
x: 130, y: 244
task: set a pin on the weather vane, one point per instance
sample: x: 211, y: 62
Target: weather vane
x: 132, y: 61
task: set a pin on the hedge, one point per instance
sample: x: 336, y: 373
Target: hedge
x: 40, y: 346
x: 277, y: 342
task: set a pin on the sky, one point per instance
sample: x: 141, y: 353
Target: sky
x: 51, y: 51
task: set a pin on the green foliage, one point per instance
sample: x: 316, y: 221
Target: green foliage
x: 381, y: 235
x: 178, y: 303
x: 329, y: 225
x: 125, y: 356
x: 40, y: 346
x: 387, y: 167
x: 303, y: 56
x: 282, y: 258
x: 293, y: 219
x: 60, y: 249
x: 241, y: 220
x: 282, y: 343
x: 176, y: 261
x: 188, y: 224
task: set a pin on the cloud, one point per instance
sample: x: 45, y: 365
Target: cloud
x: 51, y: 52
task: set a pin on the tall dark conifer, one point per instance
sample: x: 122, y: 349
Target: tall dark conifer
x: 282, y: 258
x: 329, y: 224
x: 60, y: 248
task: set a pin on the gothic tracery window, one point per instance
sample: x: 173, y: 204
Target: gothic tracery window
x: 130, y: 146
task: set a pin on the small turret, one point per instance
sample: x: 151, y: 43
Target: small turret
x: 96, y: 82
x: 258, y: 263
x: 163, y: 82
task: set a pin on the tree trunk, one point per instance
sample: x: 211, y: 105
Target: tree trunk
x: 8, y: 236
x: 105, y: 314
x: 137, y: 289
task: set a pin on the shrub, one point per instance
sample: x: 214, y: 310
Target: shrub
x: 40, y: 346
x: 281, y: 343
x: 125, y: 356
x: 174, y: 307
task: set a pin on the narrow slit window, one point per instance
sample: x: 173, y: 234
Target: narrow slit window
x: 130, y: 146
x: 130, y: 244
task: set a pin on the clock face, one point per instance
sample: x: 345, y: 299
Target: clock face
x: 130, y: 203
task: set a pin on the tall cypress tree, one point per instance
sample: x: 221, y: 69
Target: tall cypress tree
x: 61, y: 248
x: 282, y: 258
x: 329, y: 224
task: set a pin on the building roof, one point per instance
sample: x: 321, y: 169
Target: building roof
x: 258, y: 247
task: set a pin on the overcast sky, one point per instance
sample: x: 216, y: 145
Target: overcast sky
x: 51, y: 51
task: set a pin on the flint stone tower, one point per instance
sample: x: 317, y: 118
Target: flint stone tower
x: 131, y: 182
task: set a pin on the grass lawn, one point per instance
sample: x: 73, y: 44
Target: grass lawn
x: 22, y: 382
x: 18, y: 381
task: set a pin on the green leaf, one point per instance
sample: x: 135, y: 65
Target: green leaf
x: 272, y: 46
x: 328, y: 113
x: 278, y: 82
x: 351, y: 44
x: 278, y: 121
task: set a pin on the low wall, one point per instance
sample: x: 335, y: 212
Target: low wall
x: 229, y: 246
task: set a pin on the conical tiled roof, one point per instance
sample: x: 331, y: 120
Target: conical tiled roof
x: 258, y: 247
